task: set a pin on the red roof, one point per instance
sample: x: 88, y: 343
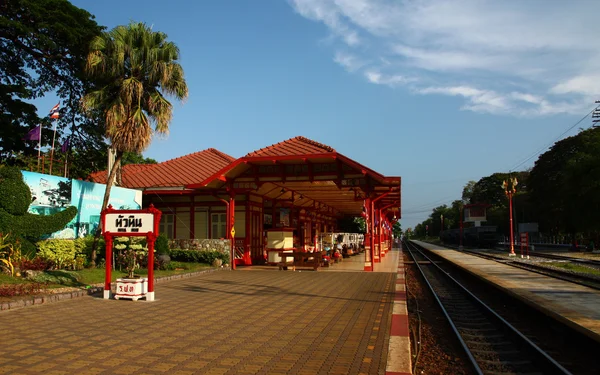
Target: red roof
x: 293, y: 146
x: 176, y: 172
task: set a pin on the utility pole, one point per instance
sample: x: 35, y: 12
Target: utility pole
x: 596, y: 114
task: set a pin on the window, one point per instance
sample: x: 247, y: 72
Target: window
x: 166, y: 225
x: 219, y: 225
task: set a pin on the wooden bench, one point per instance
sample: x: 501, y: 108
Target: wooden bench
x: 301, y: 259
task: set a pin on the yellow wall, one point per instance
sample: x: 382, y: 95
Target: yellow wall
x: 240, y: 223
x: 182, y: 224
x: 201, y: 225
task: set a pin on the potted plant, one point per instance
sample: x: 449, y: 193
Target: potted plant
x: 133, y: 286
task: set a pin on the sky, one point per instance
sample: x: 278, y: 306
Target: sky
x: 438, y: 92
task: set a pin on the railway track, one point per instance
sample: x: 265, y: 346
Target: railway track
x: 492, y: 345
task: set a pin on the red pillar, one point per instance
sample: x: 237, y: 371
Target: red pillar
x: 107, y: 274
x: 373, y: 234
x: 150, y: 240
x: 512, y: 239
x: 368, y: 235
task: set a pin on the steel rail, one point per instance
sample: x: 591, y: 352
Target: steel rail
x: 543, y: 358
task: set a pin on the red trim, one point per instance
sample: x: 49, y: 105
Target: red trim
x: 305, y: 158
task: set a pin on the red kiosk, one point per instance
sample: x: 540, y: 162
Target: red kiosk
x: 130, y: 223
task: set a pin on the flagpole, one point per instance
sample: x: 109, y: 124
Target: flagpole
x: 39, y: 148
x: 52, y: 149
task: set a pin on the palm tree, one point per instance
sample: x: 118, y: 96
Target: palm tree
x: 134, y: 68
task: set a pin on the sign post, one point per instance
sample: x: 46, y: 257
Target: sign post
x: 130, y: 223
x: 525, y: 243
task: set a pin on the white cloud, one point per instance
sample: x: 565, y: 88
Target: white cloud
x: 390, y: 80
x: 587, y: 84
x: 479, y: 50
x: 349, y: 61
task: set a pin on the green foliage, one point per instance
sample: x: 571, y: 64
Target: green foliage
x: 351, y: 225
x: 397, y: 229
x: 131, y: 253
x: 161, y: 246
x: 10, y: 253
x: 133, y: 158
x: 565, y: 184
x: 65, y: 254
x: 43, y: 45
x: 15, y: 197
x: 195, y: 256
x: 61, y: 277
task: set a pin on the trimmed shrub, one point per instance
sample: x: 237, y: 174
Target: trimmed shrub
x: 207, y: 257
x: 62, y: 253
x: 162, y: 244
x: 15, y: 198
x: 35, y: 264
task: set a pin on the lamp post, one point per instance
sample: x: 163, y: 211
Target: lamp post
x: 509, y: 187
x: 442, y: 224
x: 460, y: 243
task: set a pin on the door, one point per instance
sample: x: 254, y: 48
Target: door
x: 256, y: 236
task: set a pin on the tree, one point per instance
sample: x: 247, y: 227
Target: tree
x: 134, y: 68
x: 565, y: 184
x: 467, y: 192
x: 397, y: 229
x: 43, y: 47
x: 133, y: 158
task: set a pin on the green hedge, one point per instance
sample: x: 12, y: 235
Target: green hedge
x: 198, y: 256
x: 25, y: 227
x: 65, y: 254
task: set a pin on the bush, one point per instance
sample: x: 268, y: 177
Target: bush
x: 207, y: 257
x: 10, y: 290
x: 62, y: 253
x: 35, y: 264
x: 15, y: 198
x: 162, y: 244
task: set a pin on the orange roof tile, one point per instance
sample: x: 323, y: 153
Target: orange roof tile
x: 293, y: 146
x: 180, y: 171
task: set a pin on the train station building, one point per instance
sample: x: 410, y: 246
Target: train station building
x: 297, y: 185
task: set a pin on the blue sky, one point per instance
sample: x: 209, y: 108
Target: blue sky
x: 438, y: 92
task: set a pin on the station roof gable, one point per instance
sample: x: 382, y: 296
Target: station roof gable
x: 300, y: 167
x: 176, y: 172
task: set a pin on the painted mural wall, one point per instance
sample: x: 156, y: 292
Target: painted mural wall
x: 52, y: 194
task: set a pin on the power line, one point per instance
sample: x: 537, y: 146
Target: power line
x: 555, y: 139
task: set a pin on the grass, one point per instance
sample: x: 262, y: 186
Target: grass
x: 89, y: 276
x: 573, y: 267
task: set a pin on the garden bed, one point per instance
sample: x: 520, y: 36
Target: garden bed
x: 60, y: 284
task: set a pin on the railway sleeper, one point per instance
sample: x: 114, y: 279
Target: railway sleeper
x: 512, y: 373
x: 499, y: 352
x: 478, y: 332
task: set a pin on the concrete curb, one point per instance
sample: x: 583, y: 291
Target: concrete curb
x: 96, y: 289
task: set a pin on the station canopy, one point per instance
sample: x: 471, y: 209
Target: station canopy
x: 307, y: 174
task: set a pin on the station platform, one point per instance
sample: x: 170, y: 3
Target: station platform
x: 252, y: 321
x: 575, y: 305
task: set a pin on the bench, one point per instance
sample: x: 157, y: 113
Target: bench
x: 301, y: 259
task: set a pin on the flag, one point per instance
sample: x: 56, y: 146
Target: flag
x: 65, y: 146
x: 34, y: 134
x: 54, y: 111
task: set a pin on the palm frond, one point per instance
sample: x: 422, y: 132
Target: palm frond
x: 141, y: 66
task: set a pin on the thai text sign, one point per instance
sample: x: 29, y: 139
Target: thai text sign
x: 129, y: 223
